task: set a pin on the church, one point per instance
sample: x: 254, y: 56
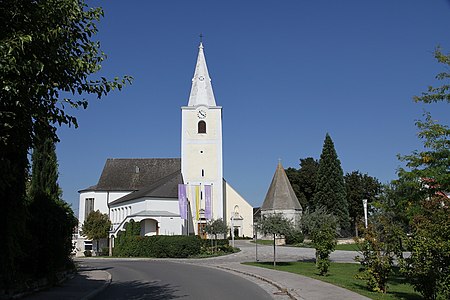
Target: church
x: 173, y: 196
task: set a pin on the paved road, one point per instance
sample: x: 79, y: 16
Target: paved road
x: 152, y: 279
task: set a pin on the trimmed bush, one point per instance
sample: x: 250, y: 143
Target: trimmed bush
x: 160, y: 246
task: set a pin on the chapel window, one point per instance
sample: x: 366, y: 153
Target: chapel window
x: 201, y: 127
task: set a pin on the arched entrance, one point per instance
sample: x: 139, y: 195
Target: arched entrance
x: 149, y: 227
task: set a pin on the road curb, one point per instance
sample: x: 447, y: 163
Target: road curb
x: 275, y: 284
x: 95, y: 292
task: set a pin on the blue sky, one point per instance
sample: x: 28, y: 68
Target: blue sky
x: 285, y: 72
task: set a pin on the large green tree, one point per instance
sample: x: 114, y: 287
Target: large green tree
x: 358, y: 187
x: 330, y: 187
x: 47, y: 59
x: 303, y: 181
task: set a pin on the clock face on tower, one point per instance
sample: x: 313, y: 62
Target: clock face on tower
x: 201, y: 114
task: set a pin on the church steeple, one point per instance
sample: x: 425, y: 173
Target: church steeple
x: 201, y: 90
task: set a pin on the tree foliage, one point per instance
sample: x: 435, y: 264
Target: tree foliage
x: 321, y: 227
x: 215, y: 227
x: 303, y: 181
x: 358, y: 187
x: 47, y: 61
x: 274, y: 224
x: 330, y: 187
x: 426, y: 180
x: 96, y: 226
x: 51, y: 220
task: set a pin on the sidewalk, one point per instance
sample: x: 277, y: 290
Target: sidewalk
x: 85, y: 285
x: 296, y: 286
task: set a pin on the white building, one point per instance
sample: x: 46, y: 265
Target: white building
x: 146, y: 190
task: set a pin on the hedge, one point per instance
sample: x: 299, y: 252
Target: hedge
x: 173, y: 246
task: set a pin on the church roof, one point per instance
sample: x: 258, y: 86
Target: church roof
x: 280, y: 195
x: 201, y: 90
x: 132, y: 174
x: 166, y: 187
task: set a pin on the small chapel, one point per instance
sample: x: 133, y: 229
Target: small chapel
x: 173, y: 196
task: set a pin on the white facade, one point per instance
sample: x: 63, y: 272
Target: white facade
x: 239, y: 212
x: 201, y: 141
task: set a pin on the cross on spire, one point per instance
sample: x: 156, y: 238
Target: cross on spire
x: 201, y: 37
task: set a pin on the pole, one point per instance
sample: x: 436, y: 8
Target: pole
x: 232, y: 230
x: 256, y: 243
x: 365, y: 212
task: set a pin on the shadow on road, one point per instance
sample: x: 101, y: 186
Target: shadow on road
x: 140, y: 290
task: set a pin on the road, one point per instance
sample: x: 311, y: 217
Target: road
x: 154, y: 279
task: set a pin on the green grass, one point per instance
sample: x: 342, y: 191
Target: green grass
x: 347, y: 247
x: 343, y: 275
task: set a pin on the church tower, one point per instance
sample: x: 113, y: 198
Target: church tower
x: 201, y: 148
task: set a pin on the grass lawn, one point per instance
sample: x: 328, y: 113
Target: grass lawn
x: 342, y: 274
x: 347, y: 247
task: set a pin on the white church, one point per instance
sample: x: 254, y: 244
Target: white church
x: 173, y: 196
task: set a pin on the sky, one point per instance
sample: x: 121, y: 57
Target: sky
x: 285, y: 72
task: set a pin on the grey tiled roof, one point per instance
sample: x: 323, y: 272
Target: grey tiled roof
x: 280, y: 195
x: 166, y: 187
x: 132, y: 174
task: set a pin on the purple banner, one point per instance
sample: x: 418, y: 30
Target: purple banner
x: 208, y: 210
x: 182, y: 201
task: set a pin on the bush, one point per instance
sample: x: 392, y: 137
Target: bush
x: 160, y: 246
x: 294, y: 237
x: 87, y: 253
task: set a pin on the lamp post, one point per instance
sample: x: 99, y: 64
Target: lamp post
x: 256, y: 241
x: 365, y: 212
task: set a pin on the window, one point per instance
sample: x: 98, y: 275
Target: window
x: 89, y: 207
x: 202, y: 127
x: 88, y: 245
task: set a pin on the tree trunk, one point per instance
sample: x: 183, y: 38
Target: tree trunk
x: 274, y: 253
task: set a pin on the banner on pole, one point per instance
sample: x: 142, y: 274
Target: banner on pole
x: 208, y: 209
x: 182, y: 201
x: 197, y: 202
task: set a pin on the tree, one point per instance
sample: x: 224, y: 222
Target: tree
x: 321, y: 227
x: 330, y: 187
x: 47, y: 59
x: 426, y: 178
x: 51, y: 220
x: 303, y: 180
x: 274, y: 224
x: 358, y: 187
x: 96, y: 226
x: 215, y: 227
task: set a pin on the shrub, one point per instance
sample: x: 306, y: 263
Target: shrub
x: 294, y: 237
x: 174, y: 246
x: 87, y: 253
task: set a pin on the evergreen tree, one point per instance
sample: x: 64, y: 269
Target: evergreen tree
x: 303, y: 180
x: 51, y: 220
x: 330, y: 186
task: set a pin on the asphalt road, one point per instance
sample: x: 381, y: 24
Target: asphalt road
x: 170, y: 280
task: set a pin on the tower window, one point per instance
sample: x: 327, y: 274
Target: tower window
x: 203, y: 173
x: 202, y: 127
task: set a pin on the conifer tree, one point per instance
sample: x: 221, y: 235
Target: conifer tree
x: 330, y: 187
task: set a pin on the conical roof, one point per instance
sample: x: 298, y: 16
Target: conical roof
x: 201, y: 90
x: 280, y: 195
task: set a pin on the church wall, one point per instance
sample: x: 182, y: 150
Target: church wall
x: 244, y: 209
x: 292, y: 214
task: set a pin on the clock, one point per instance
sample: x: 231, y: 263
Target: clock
x: 201, y: 77
x: 201, y: 114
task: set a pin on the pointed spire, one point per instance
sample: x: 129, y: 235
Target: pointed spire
x: 280, y: 195
x: 201, y: 90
